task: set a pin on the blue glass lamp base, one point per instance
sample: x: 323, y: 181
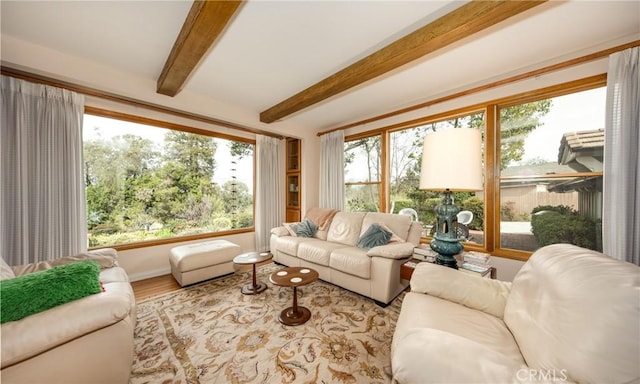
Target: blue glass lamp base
x: 446, y: 249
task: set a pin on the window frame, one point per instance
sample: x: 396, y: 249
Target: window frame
x: 183, y: 128
x: 491, y: 154
x: 382, y: 184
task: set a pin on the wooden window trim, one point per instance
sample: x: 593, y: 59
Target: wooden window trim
x: 183, y: 128
x: 492, y: 163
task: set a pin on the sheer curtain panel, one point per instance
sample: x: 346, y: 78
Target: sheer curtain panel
x: 269, y: 189
x: 42, y: 197
x: 621, y: 197
x: 332, y: 170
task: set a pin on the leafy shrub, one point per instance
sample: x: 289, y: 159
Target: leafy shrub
x: 400, y: 204
x: 562, y: 224
x: 562, y: 209
x: 508, y: 211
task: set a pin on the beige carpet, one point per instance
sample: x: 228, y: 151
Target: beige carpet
x: 211, y: 333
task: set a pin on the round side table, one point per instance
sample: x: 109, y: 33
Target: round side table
x: 294, y: 277
x: 253, y: 258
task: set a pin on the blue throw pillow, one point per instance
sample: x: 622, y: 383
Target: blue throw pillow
x: 374, y: 236
x: 306, y: 228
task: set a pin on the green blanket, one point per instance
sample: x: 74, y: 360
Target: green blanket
x: 35, y: 292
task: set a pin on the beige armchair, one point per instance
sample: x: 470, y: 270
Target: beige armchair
x: 571, y: 315
x: 89, y: 340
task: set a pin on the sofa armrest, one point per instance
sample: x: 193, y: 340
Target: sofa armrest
x: 106, y: 258
x: 475, y: 292
x: 392, y: 251
x: 43, y: 331
x: 280, y: 231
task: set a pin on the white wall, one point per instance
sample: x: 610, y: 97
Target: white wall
x: 143, y: 263
x: 506, y: 268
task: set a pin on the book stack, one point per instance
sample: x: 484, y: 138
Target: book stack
x: 476, y: 262
x: 423, y: 252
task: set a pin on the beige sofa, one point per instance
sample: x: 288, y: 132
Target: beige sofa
x: 89, y: 340
x: 374, y: 273
x: 570, y: 315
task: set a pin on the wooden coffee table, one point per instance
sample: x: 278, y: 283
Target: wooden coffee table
x: 253, y: 258
x: 294, y: 277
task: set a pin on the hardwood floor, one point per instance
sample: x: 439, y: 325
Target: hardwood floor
x: 154, y: 286
x: 160, y: 285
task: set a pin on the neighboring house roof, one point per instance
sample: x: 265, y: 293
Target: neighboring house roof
x: 537, y: 169
x: 582, y: 151
x: 579, y: 152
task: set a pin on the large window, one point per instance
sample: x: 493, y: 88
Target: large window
x: 542, y: 162
x: 405, y: 152
x: 551, y: 153
x: 146, y: 183
x: 363, y: 175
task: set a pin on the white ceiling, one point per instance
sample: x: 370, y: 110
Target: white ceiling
x: 274, y: 49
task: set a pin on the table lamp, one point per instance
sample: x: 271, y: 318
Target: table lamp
x: 451, y: 162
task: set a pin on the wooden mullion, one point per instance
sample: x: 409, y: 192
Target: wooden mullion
x: 491, y: 182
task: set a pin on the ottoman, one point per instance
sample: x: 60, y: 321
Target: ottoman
x: 194, y: 263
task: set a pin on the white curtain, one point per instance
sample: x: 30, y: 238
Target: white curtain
x: 621, y: 205
x: 332, y: 170
x: 269, y: 191
x: 42, y: 197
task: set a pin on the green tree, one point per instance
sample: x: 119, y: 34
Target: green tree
x: 515, y: 124
x: 186, y: 175
x: 119, y: 176
x: 102, y: 181
x: 240, y: 149
x: 370, y: 148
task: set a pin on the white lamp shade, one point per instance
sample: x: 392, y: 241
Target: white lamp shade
x: 452, y: 159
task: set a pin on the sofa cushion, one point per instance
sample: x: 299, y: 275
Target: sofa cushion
x: 430, y: 312
x: 375, y: 236
x: 444, y: 353
x: 45, y: 331
x: 353, y: 261
x: 25, y: 295
x: 575, y: 309
x: 317, y: 251
x: 398, y: 224
x: 345, y: 228
x: 290, y: 244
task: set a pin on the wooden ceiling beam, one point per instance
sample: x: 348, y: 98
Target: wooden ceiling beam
x: 456, y: 25
x: 204, y: 24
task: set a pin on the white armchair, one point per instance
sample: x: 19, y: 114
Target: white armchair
x: 89, y: 340
x: 570, y: 315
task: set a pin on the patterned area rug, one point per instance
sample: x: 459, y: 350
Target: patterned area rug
x: 212, y: 333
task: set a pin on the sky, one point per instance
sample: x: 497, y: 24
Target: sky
x: 582, y: 111
x: 109, y: 128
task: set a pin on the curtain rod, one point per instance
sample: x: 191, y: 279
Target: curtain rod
x: 512, y: 79
x: 24, y: 75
